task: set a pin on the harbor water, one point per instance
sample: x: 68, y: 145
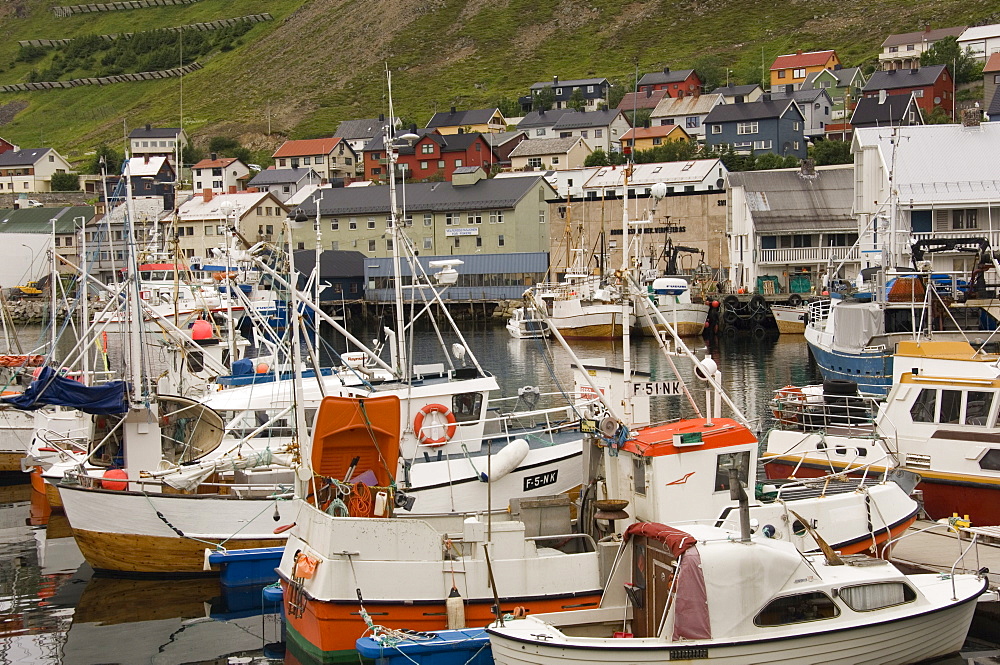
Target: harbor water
x: 54, y: 610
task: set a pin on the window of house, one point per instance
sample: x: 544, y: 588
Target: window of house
x: 335, y: 225
x: 353, y: 224
x: 657, y: 140
x: 716, y: 129
x: 428, y: 219
x: 496, y: 217
x: 458, y: 163
x: 824, y: 84
x: 555, y: 160
x: 371, y: 222
x: 802, y: 607
x: 458, y: 242
x: 540, y: 131
x: 590, y: 88
x: 428, y: 243
x: 893, y: 49
x: 598, y: 133
x: 427, y: 149
x: 918, y: 93
x: 781, y: 73
x: 535, y: 162
x: 217, y: 184
x: 260, y: 211
x: 371, y: 245
x: 964, y: 219
x: 452, y: 219
x: 281, y: 162
x: 69, y: 241
x: 746, y: 127
x: 475, y: 218
x: 799, y: 73
x: 440, y: 163
x: 666, y: 122
x: 348, y: 161
x: 286, y: 189
x: 388, y: 244
x: 305, y: 161
x: 423, y: 165
x: 209, y: 230
x: 558, y: 91
x: 479, y: 241
x: 762, y: 145
x: 910, y: 47
x: 692, y: 122
x: 583, y: 133
x: 541, y: 216
x: 318, y: 159
x: 795, y: 145
x: 268, y: 211
x: 500, y: 240
x: 565, y: 135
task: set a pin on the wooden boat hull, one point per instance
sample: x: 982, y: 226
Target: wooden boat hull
x: 790, y: 320
x: 10, y: 462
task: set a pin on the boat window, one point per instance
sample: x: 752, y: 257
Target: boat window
x: 188, y: 430
x: 924, y: 406
x: 724, y: 461
x: 196, y: 361
x: 977, y: 407
x: 868, y: 597
x: 144, y: 275
x: 991, y: 460
x: 639, y: 474
x: 106, y: 442
x: 467, y: 406
x: 951, y: 406
x: 799, y: 608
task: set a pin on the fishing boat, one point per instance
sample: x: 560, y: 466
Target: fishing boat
x: 939, y: 420
x: 696, y: 593
x: 525, y: 323
x: 790, y: 319
x: 582, y: 305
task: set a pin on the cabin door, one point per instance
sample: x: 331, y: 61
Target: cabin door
x: 653, y: 576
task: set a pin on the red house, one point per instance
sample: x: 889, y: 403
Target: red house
x: 6, y: 145
x: 682, y: 83
x: 932, y: 86
x: 432, y: 155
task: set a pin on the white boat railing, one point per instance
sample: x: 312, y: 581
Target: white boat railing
x: 795, y: 409
x: 953, y: 524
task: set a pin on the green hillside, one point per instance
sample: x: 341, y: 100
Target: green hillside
x: 322, y: 61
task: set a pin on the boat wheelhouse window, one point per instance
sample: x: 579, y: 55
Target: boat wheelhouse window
x: 951, y: 407
x: 977, y: 407
x: 868, y: 597
x: 925, y: 406
x: 639, y: 474
x: 467, y: 406
x: 991, y: 460
x: 799, y: 608
x: 106, y: 442
x: 724, y: 461
x: 196, y: 361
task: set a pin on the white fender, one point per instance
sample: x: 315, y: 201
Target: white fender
x: 505, y: 460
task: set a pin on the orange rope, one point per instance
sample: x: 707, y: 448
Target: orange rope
x: 361, y: 501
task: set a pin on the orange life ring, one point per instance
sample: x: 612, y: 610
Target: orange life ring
x: 788, y: 401
x: 428, y: 409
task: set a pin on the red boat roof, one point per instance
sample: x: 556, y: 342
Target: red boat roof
x: 658, y: 441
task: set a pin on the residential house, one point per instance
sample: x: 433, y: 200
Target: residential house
x: 283, y: 183
x: 109, y: 241
x: 158, y: 142
x: 980, y: 41
x: 844, y: 87
x: 470, y: 214
x: 634, y: 101
x: 330, y: 158
x: 903, y: 51
x: 220, y: 174
x: 692, y: 214
x: 26, y: 235
x: 679, y: 83
x: 202, y: 220
x: 503, y: 144
x: 539, y: 124
x: 688, y: 112
x: 887, y: 111
x: 815, y: 104
x: 735, y: 94
x: 592, y: 93
x: 30, y: 170
x: 647, y: 138
x: 991, y: 84
x: 7, y: 145
x: 602, y: 130
x: 152, y: 177
x: 432, y: 155
x: 763, y: 126
x: 945, y: 182
x: 932, y: 86
x: 567, y: 153
x: 793, y: 68
x: 791, y: 224
x: 341, y: 273
x: 483, y: 121
x: 358, y: 133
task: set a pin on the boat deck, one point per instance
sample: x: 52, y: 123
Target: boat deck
x: 930, y: 547
x: 810, y: 489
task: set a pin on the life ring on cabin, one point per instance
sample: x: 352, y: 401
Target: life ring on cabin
x: 788, y: 402
x: 450, y: 423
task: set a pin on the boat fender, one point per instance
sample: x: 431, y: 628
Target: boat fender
x: 455, y: 606
x: 283, y: 528
x: 506, y: 460
x: 435, y: 423
x: 113, y: 478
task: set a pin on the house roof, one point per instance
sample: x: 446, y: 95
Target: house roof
x: 377, y: 142
x: 758, y: 110
x: 461, y: 118
x: 980, y: 32
x: 363, y: 128
x: 652, y: 132
x: 666, y: 76
x: 786, y: 200
x: 148, y: 132
x: 904, y: 78
x: 429, y: 196
x: 686, y: 105
x: 307, y: 147
x: 993, y: 64
x: 535, y: 147
x: 282, y: 177
x: 844, y: 76
x: 569, y: 83
x: 938, y: 162
x: 641, y: 100
x: 870, y: 113
x: 497, y: 139
x: 581, y: 119
x: 922, y: 36
x: 732, y: 90
x: 39, y: 220
x: 800, y: 59
x: 650, y: 173
x: 196, y: 208
x: 221, y: 162
x: 807, y: 95
x: 451, y: 142
x: 26, y: 157
x: 140, y: 166
x: 542, y: 118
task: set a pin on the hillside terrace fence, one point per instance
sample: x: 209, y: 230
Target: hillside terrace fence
x: 117, y: 6
x: 103, y: 80
x: 202, y: 27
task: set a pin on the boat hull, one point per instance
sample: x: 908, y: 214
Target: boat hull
x: 688, y: 319
x: 872, y: 370
x: 790, y: 320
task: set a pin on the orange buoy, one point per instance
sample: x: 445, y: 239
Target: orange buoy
x: 263, y: 368
x: 201, y: 329
x: 118, y: 476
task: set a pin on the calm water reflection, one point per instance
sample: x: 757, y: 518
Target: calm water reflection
x: 52, y: 610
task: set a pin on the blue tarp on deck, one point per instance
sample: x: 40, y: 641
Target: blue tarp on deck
x: 50, y: 388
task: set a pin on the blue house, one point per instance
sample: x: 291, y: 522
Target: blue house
x: 753, y: 127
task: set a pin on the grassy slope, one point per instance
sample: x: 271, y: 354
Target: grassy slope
x: 322, y: 61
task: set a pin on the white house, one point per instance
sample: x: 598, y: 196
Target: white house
x: 688, y: 112
x: 981, y: 41
x: 202, y: 220
x: 30, y: 170
x: 158, y: 141
x: 602, y: 130
x: 220, y: 174
x: 284, y: 183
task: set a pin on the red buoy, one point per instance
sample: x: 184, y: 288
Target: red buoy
x: 119, y: 475
x: 201, y: 329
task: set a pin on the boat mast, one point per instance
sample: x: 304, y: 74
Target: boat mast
x: 388, y: 132
x: 132, y: 302
x: 626, y: 299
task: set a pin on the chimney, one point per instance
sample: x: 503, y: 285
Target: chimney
x: 232, y: 189
x: 452, y: 109
x: 148, y: 126
x: 971, y: 117
x: 927, y: 27
x: 881, y: 96
x: 799, y: 52
x: 145, y: 159
x: 914, y: 71
x: 206, y: 195
x: 666, y: 70
x: 789, y: 88
x: 807, y: 167
x: 214, y: 156
x: 381, y: 117
x: 649, y: 92
x: 555, y: 81
x: 252, y: 190
x: 766, y: 97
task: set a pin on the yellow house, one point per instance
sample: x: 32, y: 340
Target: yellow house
x: 485, y: 121
x: 792, y: 69
x: 554, y: 154
x: 647, y: 138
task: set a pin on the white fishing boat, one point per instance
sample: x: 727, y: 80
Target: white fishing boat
x: 702, y: 593
x: 584, y: 306
x: 790, y: 319
x: 525, y: 323
x: 672, y: 297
